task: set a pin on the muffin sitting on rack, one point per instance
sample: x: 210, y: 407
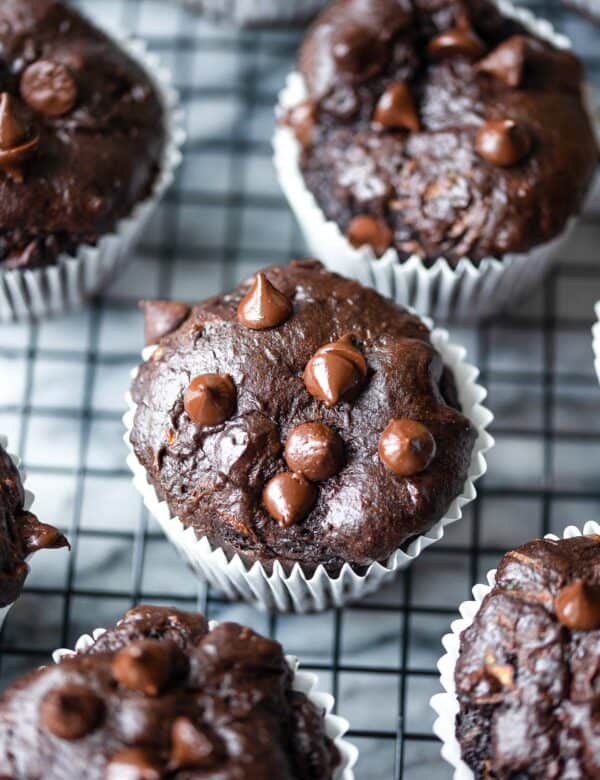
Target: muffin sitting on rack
x: 161, y: 696
x: 21, y: 533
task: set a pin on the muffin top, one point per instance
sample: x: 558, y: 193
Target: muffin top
x: 527, y: 676
x: 160, y: 696
x: 80, y: 132
x: 300, y: 418
x: 441, y: 128
x: 21, y: 533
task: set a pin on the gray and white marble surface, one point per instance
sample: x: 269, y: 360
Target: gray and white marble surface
x: 62, y: 395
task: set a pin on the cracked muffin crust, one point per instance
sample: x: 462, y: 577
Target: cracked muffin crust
x: 160, y: 696
x: 80, y: 133
x: 21, y: 533
x: 263, y: 420
x: 441, y: 129
x: 527, y: 677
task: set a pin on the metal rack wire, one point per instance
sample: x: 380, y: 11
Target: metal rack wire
x: 61, y: 400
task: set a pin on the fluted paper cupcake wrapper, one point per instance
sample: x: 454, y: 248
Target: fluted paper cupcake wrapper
x: 252, y: 13
x: 305, y: 682
x: 445, y: 704
x: 27, y: 504
x: 27, y: 294
x: 471, y: 290
x: 296, y: 591
x: 596, y: 341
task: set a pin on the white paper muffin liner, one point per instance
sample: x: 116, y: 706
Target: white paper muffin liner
x: 468, y: 291
x: 446, y: 704
x: 596, y: 340
x: 251, y: 13
x: 305, y: 682
x: 26, y: 504
x: 40, y: 292
x: 295, y: 591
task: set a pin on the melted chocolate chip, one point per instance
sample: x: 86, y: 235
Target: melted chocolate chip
x: 71, y: 712
x: 396, y: 109
x: 263, y: 306
x: 49, y: 88
x: 458, y: 41
x: 162, y: 318
x: 366, y: 230
x: 17, y: 141
x: 301, y: 119
x: 315, y: 451
x: 406, y: 447
x: 503, y: 142
x: 335, y: 372
x: 210, y: 399
x: 39, y: 536
x: 507, y: 61
x: 289, y: 498
x: 357, y: 52
x: 145, y: 666
x: 577, y: 606
x: 134, y: 764
x: 192, y: 749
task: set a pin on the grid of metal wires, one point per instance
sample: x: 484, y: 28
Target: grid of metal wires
x: 63, y: 383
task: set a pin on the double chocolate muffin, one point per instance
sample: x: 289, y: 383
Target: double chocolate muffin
x: 81, y: 133
x: 161, y: 696
x: 441, y: 128
x: 21, y: 533
x: 301, y: 418
x: 527, y: 678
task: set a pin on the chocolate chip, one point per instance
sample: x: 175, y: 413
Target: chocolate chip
x: 458, y: 41
x: 145, y: 666
x: 577, y: 606
x: 162, y: 318
x: 49, y: 87
x: 335, y: 372
x: 289, y: 498
x: 210, y: 399
x: 396, y: 110
x: 134, y: 764
x: 39, y: 536
x: 314, y: 450
x: 71, y: 712
x: 366, y: 230
x: 406, y: 447
x: 192, y: 749
x: 357, y: 52
x: 17, y: 140
x: 263, y: 306
x: 507, y: 61
x: 301, y: 119
x: 503, y: 142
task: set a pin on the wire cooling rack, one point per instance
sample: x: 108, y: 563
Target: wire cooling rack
x: 63, y: 385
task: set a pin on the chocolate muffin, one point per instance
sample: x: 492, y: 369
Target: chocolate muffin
x: 527, y: 675
x: 21, y: 533
x: 162, y: 696
x: 81, y: 133
x: 301, y: 418
x: 441, y: 128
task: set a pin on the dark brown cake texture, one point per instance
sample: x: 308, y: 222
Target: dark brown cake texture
x: 21, y: 533
x: 81, y: 133
x: 161, y: 696
x: 527, y: 677
x: 300, y: 418
x: 441, y: 128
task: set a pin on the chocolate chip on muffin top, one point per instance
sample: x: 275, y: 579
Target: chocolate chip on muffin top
x: 442, y: 129
x: 21, y: 533
x: 162, y: 696
x: 81, y: 132
x: 527, y: 674
x: 329, y: 434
